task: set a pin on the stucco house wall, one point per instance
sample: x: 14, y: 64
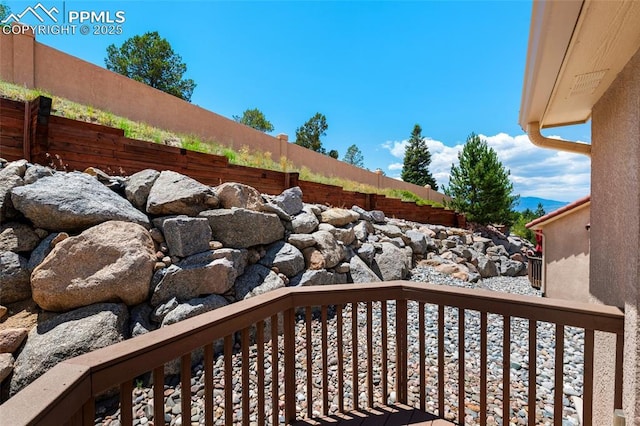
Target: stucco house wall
x: 615, y: 216
x: 566, y: 256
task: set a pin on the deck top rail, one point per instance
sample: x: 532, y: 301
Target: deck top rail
x: 67, y: 392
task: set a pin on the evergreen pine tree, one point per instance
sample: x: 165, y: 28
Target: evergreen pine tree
x: 480, y: 186
x: 416, y: 161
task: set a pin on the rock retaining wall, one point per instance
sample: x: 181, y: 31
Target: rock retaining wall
x: 109, y: 258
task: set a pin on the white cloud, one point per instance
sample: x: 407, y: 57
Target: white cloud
x: 534, y: 171
x: 395, y: 166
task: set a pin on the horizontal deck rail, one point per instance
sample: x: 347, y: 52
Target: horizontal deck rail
x: 276, y: 329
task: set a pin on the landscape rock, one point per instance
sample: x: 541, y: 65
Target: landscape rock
x: 313, y: 277
x: 417, y: 241
x: 339, y: 217
x: 257, y: 279
x: 110, y: 261
x: 14, y: 277
x: 360, y: 272
x: 175, y: 193
x: 304, y: 223
x: 11, y: 339
x: 363, y: 229
x: 35, y: 172
x: 7, y: 183
x: 66, y: 336
x: 301, y: 241
x: 346, y: 235
x: 17, y: 237
x: 186, y: 235
x: 72, y: 201
x: 41, y: 251
x: 511, y: 268
x: 198, y: 275
x: 193, y: 307
x: 366, y: 252
x: 140, y: 322
x: 391, y: 263
x: 6, y: 365
x: 332, y: 252
x: 487, y: 267
x: 138, y: 185
x: 287, y: 258
x: 242, y: 228
x: 389, y: 230
x: 364, y: 215
x: 158, y: 314
x: 378, y: 216
x: 290, y: 200
x: 232, y: 194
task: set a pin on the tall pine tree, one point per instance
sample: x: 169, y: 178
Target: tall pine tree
x: 416, y: 161
x: 480, y: 186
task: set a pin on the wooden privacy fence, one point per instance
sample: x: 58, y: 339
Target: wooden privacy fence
x: 27, y: 130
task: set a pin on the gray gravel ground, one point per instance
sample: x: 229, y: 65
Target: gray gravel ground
x: 573, y: 366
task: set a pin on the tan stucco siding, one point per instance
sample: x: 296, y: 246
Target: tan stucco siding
x: 566, y: 256
x: 615, y: 216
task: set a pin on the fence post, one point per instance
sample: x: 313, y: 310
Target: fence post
x: 35, y: 126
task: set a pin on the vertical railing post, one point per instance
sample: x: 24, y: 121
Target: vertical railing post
x: 289, y: 366
x: 401, y: 351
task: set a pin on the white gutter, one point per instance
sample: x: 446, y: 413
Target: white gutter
x: 533, y: 131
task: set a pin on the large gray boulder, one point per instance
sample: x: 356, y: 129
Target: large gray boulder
x: 327, y: 245
x: 257, y: 279
x: 14, y: 278
x: 290, y: 200
x: 242, y: 228
x: 110, y: 261
x: 175, y: 193
x: 417, y: 241
x: 360, y: 272
x: 138, y: 185
x: 288, y: 259
x: 201, y: 274
x: 487, y: 268
x: 17, y: 237
x: 186, y: 235
x: 72, y: 201
x: 66, y: 336
x: 232, y: 194
x: 304, y: 223
x: 392, y: 263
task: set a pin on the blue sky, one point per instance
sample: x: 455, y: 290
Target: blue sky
x: 373, y: 68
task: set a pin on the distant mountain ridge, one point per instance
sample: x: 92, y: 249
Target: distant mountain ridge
x: 532, y: 204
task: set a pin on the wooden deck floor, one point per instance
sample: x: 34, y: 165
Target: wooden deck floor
x: 392, y: 415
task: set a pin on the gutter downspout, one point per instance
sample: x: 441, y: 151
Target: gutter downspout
x: 533, y: 131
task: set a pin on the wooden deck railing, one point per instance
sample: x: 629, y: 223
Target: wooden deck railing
x: 380, y: 334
